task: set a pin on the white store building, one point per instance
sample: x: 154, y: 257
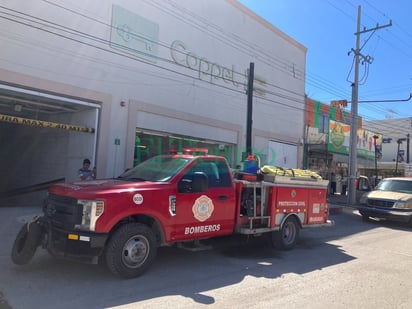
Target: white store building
x: 396, y: 156
x: 120, y: 81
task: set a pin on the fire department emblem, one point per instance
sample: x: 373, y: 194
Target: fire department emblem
x: 203, y: 208
x: 293, y: 193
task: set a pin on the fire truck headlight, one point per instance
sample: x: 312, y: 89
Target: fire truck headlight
x: 92, y: 210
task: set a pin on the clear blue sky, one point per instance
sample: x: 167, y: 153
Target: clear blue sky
x: 327, y: 29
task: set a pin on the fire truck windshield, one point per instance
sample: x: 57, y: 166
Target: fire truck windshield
x: 159, y: 168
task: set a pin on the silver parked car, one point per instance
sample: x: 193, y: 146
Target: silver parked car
x: 391, y: 199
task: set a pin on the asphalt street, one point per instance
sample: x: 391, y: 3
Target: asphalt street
x: 354, y: 264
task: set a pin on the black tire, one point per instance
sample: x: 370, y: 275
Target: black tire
x: 131, y: 250
x: 365, y: 218
x: 26, y: 242
x: 287, y: 237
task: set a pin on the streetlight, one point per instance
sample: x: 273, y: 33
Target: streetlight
x: 399, y: 141
x: 375, y: 137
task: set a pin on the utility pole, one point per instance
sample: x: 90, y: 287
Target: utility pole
x: 354, y: 108
x: 375, y: 137
x: 399, y: 141
x: 249, y: 120
x: 353, y: 156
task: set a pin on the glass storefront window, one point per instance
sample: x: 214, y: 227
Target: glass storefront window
x: 151, y: 143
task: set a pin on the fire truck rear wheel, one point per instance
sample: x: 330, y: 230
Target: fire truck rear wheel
x: 131, y: 250
x: 287, y: 236
x: 26, y: 242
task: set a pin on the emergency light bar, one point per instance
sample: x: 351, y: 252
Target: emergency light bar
x: 193, y: 151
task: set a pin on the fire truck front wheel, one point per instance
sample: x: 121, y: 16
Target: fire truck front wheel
x: 131, y: 250
x: 287, y: 236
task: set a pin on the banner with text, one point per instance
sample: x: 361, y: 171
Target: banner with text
x: 339, y: 140
x: 339, y: 136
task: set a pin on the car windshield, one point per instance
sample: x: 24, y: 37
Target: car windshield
x: 393, y: 185
x: 159, y: 168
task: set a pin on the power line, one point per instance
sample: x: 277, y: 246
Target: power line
x: 99, y: 40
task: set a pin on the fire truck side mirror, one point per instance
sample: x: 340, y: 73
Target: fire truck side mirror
x: 184, y: 186
x: 200, y: 182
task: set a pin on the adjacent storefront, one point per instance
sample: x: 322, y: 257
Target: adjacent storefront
x: 328, y: 141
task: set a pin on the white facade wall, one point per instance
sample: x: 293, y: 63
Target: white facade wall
x: 77, y: 54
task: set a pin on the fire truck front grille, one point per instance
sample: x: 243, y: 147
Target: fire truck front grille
x: 63, y: 212
x: 381, y: 203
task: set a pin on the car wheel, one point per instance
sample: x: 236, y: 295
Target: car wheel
x: 131, y: 250
x: 364, y: 217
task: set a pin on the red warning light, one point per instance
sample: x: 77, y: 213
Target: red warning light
x: 196, y: 151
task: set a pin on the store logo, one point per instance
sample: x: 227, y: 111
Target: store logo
x: 134, y: 34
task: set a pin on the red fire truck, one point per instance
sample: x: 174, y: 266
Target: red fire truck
x: 167, y: 200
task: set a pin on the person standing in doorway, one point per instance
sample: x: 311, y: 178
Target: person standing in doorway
x: 85, y: 173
